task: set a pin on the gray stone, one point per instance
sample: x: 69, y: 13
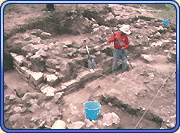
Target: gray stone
x: 97, y: 48
x: 51, y: 63
x: 36, y: 32
x: 49, y: 91
x: 35, y: 40
x: 95, y: 31
x: 33, y: 108
x: 20, y: 91
x: 51, y: 46
x: 172, y: 56
x: 76, y: 125
x: 45, y: 35
x: 65, y: 68
x: 34, y: 119
x: 174, y: 41
x: 88, y: 123
x: 26, y: 37
x: 15, y: 37
x: 157, y: 35
x: 12, y: 97
x: 170, y: 125
x: 63, y: 78
x: 84, y: 76
x: 56, y: 52
x: 49, y: 96
x: 36, y: 77
x: 29, y: 48
x: 50, y: 70
x: 8, y: 92
x: 58, y: 67
x: 173, y: 36
x: 13, y: 55
x: 69, y: 84
x: 14, y: 118
x: 33, y: 101
x: 42, y: 123
x: 6, y: 108
x: 59, y: 124
x: 57, y: 97
x: 19, y: 59
x: 49, y: 121
x: 27, y: 96
x: 23, y: 110
x: 19, y: 44
x: 109, y: 16
x: 95, y: 26
x: 147, y: 58
x: 110, y: 118
x: 51, y: 79
x: 67, y: 42
x: 42, y: 53
x: 45, y: 47
x: 97, y: 72
x: 17, y: 109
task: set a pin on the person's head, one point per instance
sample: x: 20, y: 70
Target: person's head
x: 125, y: 30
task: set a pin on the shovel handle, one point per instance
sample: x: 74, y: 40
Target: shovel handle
x: 87, y: 49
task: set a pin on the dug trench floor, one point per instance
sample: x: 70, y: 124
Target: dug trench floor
x: 132, y: 92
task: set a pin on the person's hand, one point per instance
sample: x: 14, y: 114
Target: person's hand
x: 122, y: 49
x: 116, y: 38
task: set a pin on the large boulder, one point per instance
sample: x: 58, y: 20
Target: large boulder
x: 110, y: 118
x: 38, y: 63
x: 51, y: 79
x: 59, y: 124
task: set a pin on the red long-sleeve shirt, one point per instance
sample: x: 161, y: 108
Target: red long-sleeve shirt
x: 122, y: 39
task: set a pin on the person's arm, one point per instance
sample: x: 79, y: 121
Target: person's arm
x: 127, y: 43
x: 111, y: 39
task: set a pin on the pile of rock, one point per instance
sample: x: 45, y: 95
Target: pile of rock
x: 39, y: 109
x: 108, y: 121
x: 40, y: 64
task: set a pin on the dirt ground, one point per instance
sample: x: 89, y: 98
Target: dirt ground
x: 127, y: 84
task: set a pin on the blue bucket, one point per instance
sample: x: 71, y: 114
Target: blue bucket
x: 92, y: 110
x: 165, y: 21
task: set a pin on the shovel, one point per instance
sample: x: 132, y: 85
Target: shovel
x: 91, y: 62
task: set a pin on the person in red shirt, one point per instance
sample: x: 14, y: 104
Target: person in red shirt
x: 122, y: 36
